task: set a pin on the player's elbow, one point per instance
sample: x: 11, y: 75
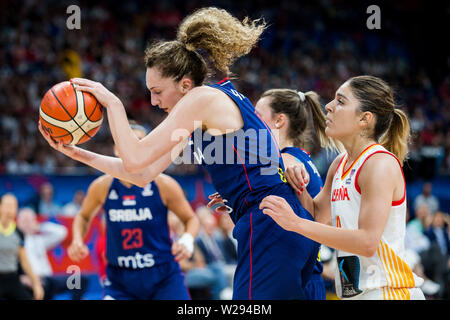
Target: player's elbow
x: 370, y: 246
x: 131, y: 166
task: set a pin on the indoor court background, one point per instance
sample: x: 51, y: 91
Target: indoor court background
x: 309, y: 45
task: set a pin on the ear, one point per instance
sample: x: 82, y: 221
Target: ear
x: 185, y: 85
x: 280, y: 120
x: 366, y: 119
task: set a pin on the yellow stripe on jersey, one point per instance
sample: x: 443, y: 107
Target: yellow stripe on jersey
x: 399, y: 275
x: 396, y: 293
x: 346, y: 172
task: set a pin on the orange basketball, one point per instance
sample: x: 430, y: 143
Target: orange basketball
x: 70, y: 116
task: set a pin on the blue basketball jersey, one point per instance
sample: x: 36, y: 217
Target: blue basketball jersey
x: 243, y: 165
x: 315, y: 181
x: 137, y: 234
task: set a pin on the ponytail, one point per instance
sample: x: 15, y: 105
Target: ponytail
x: 214, y: 31
x: 221, y: 35
x: 391, y: 128
x: 295, y: 104
x: 396, y: 138
x: 319, y: 119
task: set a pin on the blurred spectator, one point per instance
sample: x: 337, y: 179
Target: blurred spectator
x: 39, y: 238
x: 46, y: 205
x: 228, y: 246
x: 199, y: 279
x: 415, y: 238
x: 226, y: 242
x: 417, y: 244
x: 436, y: 260
x: 207, y: 242
x: 71, y: 209
x: 427, y: 198
x: 13, y: 256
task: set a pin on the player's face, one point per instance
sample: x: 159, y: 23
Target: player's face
x: 342, y: 114
x: 164, y: 92
x: 264, y: 109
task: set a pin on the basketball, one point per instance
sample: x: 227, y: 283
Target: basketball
x: 69, y: 115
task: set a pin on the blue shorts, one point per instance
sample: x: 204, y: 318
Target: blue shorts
x: 163, y: 282
x: 272, y: 263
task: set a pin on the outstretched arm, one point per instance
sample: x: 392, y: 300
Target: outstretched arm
x: 376, y: 202
x: 114, y: 166
x: 319, y: 207
x: 187, y: 115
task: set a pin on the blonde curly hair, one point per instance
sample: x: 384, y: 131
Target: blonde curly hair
x: 222, y: 36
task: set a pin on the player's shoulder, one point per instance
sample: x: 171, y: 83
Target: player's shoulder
x: 101, y: 184
x: 381, y: 163
x: 205, y: 94
x: 165, y: 181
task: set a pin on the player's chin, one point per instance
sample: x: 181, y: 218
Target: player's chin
x: 330, y: 132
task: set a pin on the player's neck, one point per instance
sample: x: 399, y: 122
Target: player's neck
x: 126, y: 184
x: 284, y: 143
x: 356, y: 146
x: 283, y: 140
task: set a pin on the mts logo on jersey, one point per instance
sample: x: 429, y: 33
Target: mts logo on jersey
x: 340, y: 194
x: 138, y: 261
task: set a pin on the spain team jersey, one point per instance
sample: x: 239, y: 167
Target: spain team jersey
x: 136, y: 227
x: 386, y: 272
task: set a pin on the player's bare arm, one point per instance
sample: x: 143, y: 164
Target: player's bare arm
x: 95, y: 196
x: 173, y: 197
x: 375, y: 205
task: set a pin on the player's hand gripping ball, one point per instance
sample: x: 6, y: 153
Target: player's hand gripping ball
x: 70, y: 116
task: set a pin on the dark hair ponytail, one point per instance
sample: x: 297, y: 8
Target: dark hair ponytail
x: 391, y: 128
x: 295, y: 105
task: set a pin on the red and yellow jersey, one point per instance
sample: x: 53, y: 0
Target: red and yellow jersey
x: 386, y: 270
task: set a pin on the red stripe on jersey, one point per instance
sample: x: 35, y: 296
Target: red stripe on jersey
x: 251, y: 258
x: 394, y: 203
x: 223, y: 80
x: 245, y: 170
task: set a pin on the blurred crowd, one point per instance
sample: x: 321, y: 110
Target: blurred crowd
x: 308, y: 46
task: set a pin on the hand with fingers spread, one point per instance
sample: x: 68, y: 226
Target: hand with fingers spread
x: 217, y: 203
x: 280, y: 211
x: 105, y: 97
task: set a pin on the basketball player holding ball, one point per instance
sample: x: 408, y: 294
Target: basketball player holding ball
x: 272, y: 263
x: 367, y: 190
x: 142, y: 261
